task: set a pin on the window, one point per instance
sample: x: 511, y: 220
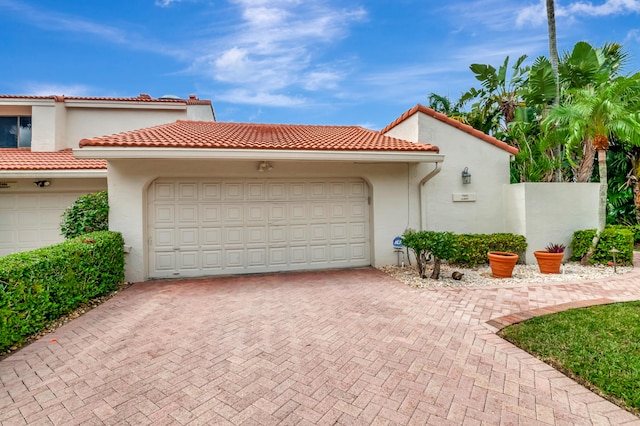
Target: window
x: 15, y: 132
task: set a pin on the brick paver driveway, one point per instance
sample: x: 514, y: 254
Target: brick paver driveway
x: 332, y: 347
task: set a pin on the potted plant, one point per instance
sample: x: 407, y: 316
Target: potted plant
x: 502, y: 263
x: 550, y: 259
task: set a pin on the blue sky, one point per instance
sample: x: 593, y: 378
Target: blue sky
x: 360, y: 62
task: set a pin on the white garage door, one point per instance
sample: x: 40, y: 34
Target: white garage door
x: 203, y: 227
x: 29, y: 221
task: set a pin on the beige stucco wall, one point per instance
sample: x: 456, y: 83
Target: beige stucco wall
x: 58, y: 125
x: 392, y: 197
x: 489, y: 168
x: 86, y: 123
x: 550, y: 212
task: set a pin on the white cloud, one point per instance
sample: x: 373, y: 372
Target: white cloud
x: 243, y: 96
x: 536, y: 14
x: 166, y: 3
x: 273, y: 47
x: 609, y: 7
x: 48, y: 89
x: 318, y: 80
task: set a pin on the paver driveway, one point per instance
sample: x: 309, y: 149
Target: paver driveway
x: 332, y: 347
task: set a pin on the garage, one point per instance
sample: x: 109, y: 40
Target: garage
x: 29, y: 221
x: 229, y: 226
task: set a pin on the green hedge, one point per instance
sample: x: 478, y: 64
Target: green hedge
x: 89, y: 213
x: 41, y: 285
x: 613, y: 236
x: 473, y: 248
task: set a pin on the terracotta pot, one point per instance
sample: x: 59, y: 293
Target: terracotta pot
x: 502, y: 263
x: 549, y: 263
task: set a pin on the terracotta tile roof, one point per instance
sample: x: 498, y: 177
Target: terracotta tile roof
x: 205, y: 134
x: 143, y: 97
x: 442, y: 117
x: 25, y: 159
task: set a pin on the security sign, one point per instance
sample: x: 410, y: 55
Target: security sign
x: 397, y: 242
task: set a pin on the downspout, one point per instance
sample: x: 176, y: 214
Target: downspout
x: 424, y: 180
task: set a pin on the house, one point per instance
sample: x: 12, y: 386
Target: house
x: 212, y: 198
x: 39, y: 175
x: 195, y: 197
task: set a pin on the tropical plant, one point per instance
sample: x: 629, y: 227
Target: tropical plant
x: 444, y: 105
x: 498, y: 99
x: 555, y: 248
x: 591, y: 116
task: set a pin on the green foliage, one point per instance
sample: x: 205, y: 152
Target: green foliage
x: 89, y: 213
x: 620, y: 237
x: 597, y: 344
x: 442, y: 245
x: 473, y: 248
x: 41, y: 285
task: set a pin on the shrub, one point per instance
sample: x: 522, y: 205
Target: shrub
x: 473, y: 248
x: 442, y: 245
x: 613, y: 236
x: 41, y: 285
x: 89, y: 213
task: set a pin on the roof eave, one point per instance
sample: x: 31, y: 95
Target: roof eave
x: 261, y: 154
x: 66, y: 173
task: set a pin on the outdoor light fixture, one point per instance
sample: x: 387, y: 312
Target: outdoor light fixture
x: 41, y: 183
x: 264, y: 167
x: 466, y: 176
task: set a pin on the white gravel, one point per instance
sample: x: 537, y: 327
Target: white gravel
x: 482, y: 277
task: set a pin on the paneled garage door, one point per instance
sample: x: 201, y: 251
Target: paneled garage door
x: 203, y: 227
x: 29, y: 221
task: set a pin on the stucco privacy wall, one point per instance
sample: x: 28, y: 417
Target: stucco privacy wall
x: 550, y: 212
x: 392, y: 196
x: 448, y: 204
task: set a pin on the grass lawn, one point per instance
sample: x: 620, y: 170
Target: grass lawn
x: 598, y: 346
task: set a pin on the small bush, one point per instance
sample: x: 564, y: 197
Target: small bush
x: 613, y: 236
x: 89, y: 213
x: 442, y: 245
x: 41, y: 285
x: 473, y: 248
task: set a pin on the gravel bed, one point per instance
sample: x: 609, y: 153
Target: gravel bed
x: 482, y: 277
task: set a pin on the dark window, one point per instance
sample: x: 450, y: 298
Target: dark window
x: 15, y: 132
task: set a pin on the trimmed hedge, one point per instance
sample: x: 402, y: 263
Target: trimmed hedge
x: 39, y: 286
x: 473, y: 248
x: 89, y: 213
x: 619, y: 237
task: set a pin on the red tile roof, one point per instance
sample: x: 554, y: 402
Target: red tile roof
x: 442, y: 117
x: 143, y: 97
x: 205, y: 134
x: 25, y: 159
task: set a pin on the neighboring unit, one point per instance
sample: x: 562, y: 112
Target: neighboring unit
x: 39, y: 175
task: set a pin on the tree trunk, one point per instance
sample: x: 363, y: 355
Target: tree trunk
x: 636, y: 196
x: 585, y: 168
x: 553, y: 56
x: 436, y: 268
x: 602, y: 205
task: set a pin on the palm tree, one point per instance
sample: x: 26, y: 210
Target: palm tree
x: 594, y: 114
x: 498, y: 98
x: 444, y: 105
x: 587, y: 67
x: 554, y: 58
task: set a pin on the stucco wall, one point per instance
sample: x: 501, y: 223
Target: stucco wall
x: 550, y: 212
x: 489, y: 168
x: 392, y: 197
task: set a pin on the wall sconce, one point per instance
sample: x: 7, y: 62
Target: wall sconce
x: 466, y: 176
x: 264, y: 167
x: 41, y: 183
